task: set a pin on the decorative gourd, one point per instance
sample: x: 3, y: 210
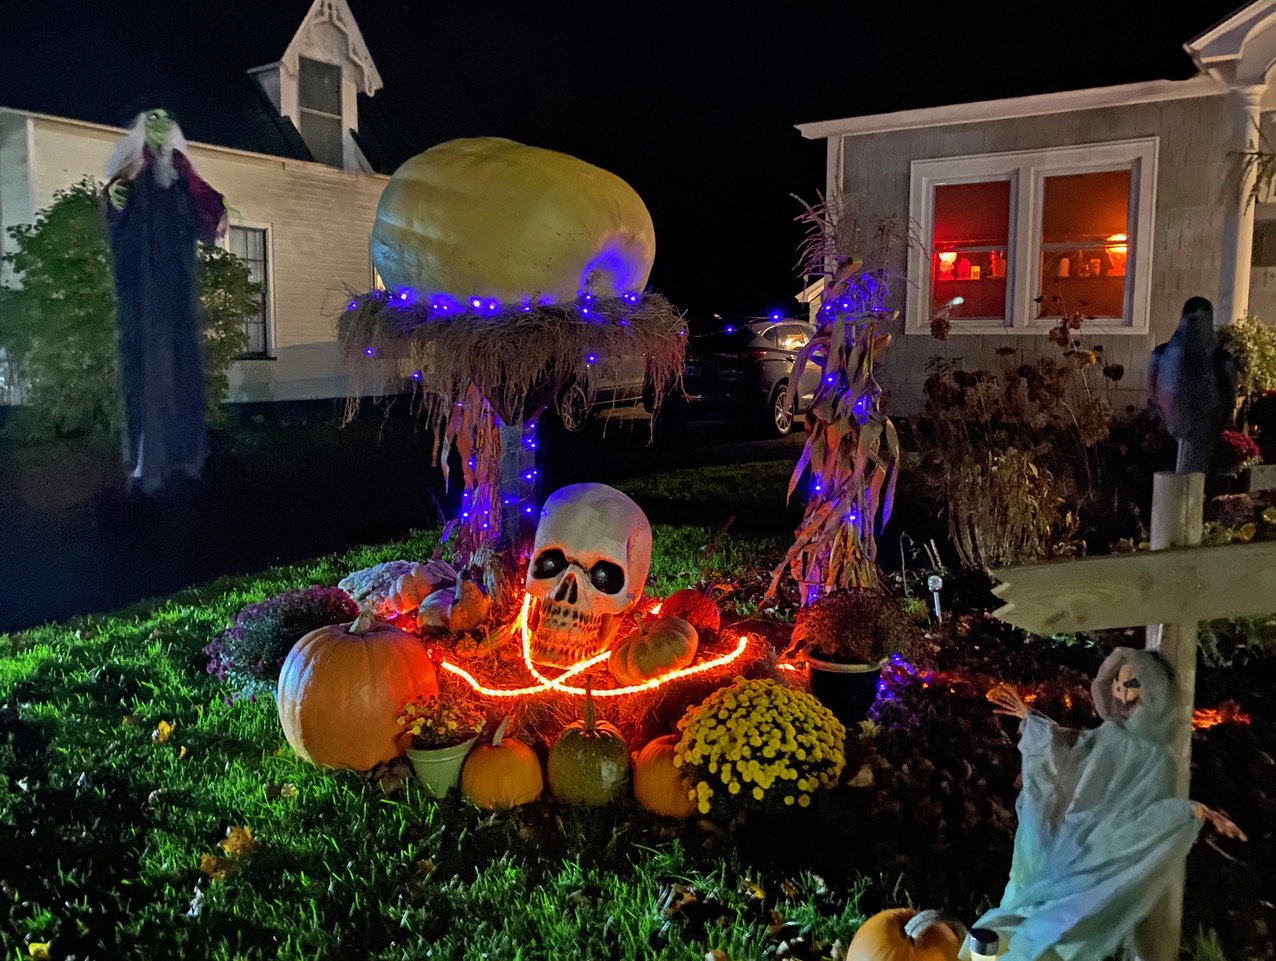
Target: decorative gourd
x: 695, y: 607
x: 341, y: 689
x: 589, y: 761
x: 902, y: 934
x: 487, y: 217
x: 660, y: 787
x: 502, y: 774
x: 418, y: 583
x: 461, y: 608
x: 667, y: 645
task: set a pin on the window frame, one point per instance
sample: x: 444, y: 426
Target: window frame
x: 1026, y: 170
x: 268, y: 246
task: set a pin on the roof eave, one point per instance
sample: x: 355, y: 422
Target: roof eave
x: 985, y: 111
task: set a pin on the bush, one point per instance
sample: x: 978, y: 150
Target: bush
x: 1253, y: 344
x: 855, y: 627
x: 60, y: 316
x: 255, y: 646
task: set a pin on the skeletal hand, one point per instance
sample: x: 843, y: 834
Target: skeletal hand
x: 117, y: 193
x: 1007, y: 701
x: 1220, y: 822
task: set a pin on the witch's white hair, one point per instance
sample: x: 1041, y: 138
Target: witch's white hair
x: 129, y: 156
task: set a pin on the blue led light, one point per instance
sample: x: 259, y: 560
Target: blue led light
x: 776, y: 315
x: 369, y: 351
x: 591, y: 358
x: 416, y: 375
x: 476, y: 303
x: 528, y: 510
x: 729, y: 329
x: 352, y: 305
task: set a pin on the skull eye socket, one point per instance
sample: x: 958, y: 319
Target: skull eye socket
x: 549, y: 563
x: 607, y: 577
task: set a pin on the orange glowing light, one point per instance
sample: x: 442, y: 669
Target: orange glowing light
x: 947, y: 259
x: 1229, y: 712
x: 1117, y: 247
x: 559, y: 683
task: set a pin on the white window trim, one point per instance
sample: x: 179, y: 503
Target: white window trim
x: 1026, y: 171
x: 272, y: 342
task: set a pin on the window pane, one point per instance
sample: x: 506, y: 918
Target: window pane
x: 249, y: 245
x: 319, y: 86
x: 792, y: 338
x: 976, y: 214
x: 323, y: 136
x: 1084, y: 243
x: 970, y: 235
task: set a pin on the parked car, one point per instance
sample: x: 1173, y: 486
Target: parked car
x: 743, y: 371
x: 613, y: 382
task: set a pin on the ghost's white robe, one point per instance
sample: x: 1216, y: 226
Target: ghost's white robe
x: 1100, y: 831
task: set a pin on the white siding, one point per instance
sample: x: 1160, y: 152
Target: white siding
x: 15, y: 184
x: 319, y: 220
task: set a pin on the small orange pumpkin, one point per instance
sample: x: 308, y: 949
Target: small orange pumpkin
x: 667, y: 645
x: 502, y: 774
x: 659, y: 786
x: 902, y: 934
x: 341, y: 689
x: 695, y: 607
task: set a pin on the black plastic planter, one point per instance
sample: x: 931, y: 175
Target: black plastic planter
x: 848, y: 690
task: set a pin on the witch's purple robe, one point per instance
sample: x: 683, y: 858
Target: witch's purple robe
x: 157, y: 306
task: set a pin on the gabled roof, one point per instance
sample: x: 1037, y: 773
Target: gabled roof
x: 338, y: 13
x: 1241, y: 48
x: 104, y: 61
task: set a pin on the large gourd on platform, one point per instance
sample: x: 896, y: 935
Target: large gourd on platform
x: 487, y: 217
x: 341, y: 689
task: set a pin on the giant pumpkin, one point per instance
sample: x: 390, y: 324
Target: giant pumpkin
x: 902, y: 934
x: 341, y: 689
x: 487, y: 217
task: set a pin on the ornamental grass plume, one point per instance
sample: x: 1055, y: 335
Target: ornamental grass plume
x: 761, y: 745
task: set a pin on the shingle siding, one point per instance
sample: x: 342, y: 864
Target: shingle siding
x: 1195, y: 184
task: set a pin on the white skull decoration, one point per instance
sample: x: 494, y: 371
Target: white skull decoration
x: 589, y: 566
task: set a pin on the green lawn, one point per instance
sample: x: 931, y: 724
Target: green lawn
x: 103, y: 829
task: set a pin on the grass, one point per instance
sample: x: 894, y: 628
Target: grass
x: 103, y: 828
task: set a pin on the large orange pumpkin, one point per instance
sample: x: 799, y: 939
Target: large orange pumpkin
x: 902, y: 934
x: 502, y: 774
x: 341, y: 689
x: 491, y: 218
x: 695, y: 607
x: 660, y: 787
x: 667, y: 645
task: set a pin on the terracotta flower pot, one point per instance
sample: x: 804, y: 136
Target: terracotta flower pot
x: 848, y: 690
x: 439, y: 769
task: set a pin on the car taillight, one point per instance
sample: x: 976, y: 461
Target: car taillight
x: 755, y: 354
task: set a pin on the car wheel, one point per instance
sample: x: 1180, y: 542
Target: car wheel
x: 779, y: 420
x: 573, y: 409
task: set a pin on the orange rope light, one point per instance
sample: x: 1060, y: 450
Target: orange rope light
x: 559, y: 683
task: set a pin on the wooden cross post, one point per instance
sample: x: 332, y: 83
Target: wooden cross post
x: 1169, y: 589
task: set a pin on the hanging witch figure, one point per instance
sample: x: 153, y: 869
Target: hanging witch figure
x: 1101, y: 832
x: 157, y: 208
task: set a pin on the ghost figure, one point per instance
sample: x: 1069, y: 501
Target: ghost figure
x: 589, y: 566
x: 1100, y: 830
x: 158, y: 207
x: 1193, y: 382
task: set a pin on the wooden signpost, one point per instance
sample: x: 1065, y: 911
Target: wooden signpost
x: 1170, y: 590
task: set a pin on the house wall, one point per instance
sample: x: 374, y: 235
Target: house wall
x: 319, y: 220
x: 15, y: 184
x: 1195, y: 183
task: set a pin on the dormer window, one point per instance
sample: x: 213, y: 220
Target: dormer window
x: 319, y: 106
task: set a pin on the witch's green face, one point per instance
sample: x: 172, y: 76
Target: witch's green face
x: 158, y: 126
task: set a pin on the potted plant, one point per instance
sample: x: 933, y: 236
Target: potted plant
x: 441, y: 734
x: 846, y: 637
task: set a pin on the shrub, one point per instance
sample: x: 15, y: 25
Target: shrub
x: 1253, y: 344
x: 855, y: 627
x: 263, y: 633
x: 60, y: 315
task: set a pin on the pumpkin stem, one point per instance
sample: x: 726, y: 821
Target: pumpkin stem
x: 499, y: 736
x: 364, y: 622
x: 590, y: 716
x: 916, y: 926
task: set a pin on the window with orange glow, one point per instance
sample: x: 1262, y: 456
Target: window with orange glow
x: 970, y: 237
x: 1085, y: 243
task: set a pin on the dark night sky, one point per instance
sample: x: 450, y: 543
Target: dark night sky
x: 694, y: 102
